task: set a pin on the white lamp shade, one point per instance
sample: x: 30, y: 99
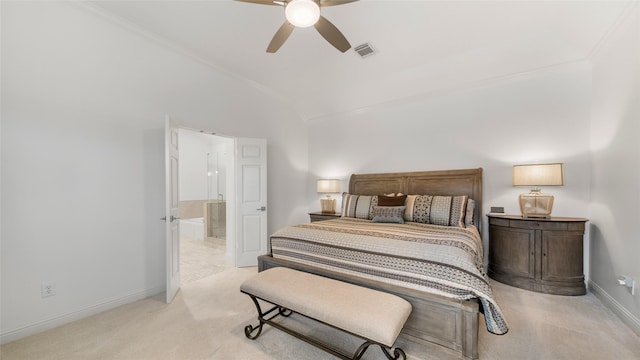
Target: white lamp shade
x: 328, y: 186
x: 302, y: 13
x: 536, y: 204
x: 538, y: 175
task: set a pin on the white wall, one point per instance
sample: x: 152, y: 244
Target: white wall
x: 83, y: 106
x: 615, y: 195
x: 541, y: 116
x: 192, y: 172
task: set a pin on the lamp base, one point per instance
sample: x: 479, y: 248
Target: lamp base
x: 536, y: 205
x: 328, y: 205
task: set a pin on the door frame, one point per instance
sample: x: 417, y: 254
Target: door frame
x: 232, y: 207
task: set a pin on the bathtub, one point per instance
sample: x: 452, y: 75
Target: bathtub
x: 192, y: 228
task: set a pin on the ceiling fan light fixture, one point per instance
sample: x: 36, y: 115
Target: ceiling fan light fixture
x: 302, y: 13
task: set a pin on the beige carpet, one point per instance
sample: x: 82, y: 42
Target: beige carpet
x: 207, y: 318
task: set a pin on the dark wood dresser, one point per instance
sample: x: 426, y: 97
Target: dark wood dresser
x: 542, y: 255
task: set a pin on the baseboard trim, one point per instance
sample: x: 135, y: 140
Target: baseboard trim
x: 39, y: 326
x: 628, y: 318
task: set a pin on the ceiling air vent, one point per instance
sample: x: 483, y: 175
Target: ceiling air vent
x: 364, y: 50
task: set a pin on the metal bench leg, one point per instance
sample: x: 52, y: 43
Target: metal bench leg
x: 249, y: 329
x: 264, y: 318
x: 397, y: 352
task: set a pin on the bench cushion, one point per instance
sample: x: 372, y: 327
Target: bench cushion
x: 371, y: 314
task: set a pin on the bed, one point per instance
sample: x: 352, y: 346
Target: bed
x: 435, y: 264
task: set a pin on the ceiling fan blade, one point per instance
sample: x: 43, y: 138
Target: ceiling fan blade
x: 261, y: 2
x: 335, y: 2
x: 331, y: 33
x: 280, y: 37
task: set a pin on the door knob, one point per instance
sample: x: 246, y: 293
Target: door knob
x: 262, y: 208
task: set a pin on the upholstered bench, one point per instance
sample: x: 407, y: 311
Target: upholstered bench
x: 372, y: 315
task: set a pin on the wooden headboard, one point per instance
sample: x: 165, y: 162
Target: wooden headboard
x: 440, y: 182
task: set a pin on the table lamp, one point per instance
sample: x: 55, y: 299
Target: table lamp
x: 328, y: 186
x: 536, y: 204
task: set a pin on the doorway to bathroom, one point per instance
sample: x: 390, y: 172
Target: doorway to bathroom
x: 205, y: 175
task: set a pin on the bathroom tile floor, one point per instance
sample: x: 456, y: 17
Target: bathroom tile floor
x: 201, y: 258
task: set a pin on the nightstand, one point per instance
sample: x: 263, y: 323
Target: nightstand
x: 542, y: 255
x: 319, y: 216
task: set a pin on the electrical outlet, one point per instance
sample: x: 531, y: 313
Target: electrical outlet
x: 48, y: 289
x: 628, y: 282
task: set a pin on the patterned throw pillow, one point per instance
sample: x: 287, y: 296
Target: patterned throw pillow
x: 471, y: 209
x: 358, y: 206
x: 388, y: 214
x: 437, y: 210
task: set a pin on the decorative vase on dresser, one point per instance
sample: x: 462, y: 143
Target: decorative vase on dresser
x: 537, y: 254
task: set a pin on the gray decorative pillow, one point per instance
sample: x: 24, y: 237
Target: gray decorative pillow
x: 388, y: 214
x: 358, y: 206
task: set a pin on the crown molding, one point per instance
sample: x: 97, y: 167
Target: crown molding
x: 626, y: 15
x: 460, y: 87
x: 188, y: 53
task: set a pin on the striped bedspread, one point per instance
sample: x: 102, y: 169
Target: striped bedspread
x: 442, y: 260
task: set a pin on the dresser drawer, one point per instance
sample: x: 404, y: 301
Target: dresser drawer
x: 499, y: 222
x: 544, y: 225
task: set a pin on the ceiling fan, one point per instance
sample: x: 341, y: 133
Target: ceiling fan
x: 305, y: 13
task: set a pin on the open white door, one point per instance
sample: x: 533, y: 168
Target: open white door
x: 171, y: 209
x: 251, y: 200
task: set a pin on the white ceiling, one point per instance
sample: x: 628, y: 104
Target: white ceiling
x: 422, y: 46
